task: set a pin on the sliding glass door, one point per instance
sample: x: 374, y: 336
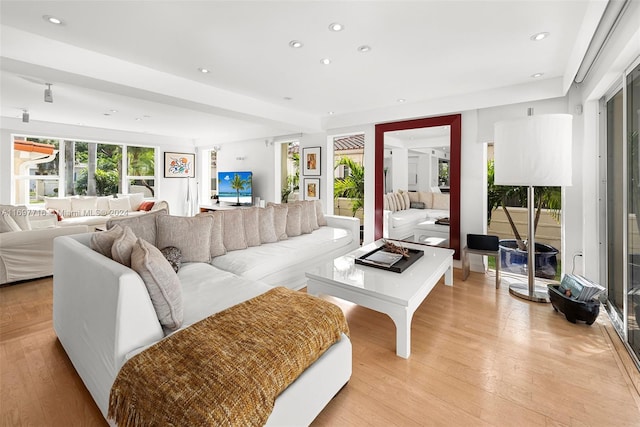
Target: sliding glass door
x: 623, y: 209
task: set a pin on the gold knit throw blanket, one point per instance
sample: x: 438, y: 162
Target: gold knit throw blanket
x: 229, y: 368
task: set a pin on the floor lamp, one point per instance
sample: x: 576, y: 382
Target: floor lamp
x: 534, y: 151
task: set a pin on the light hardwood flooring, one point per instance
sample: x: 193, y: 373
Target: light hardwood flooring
x: 480, y: 357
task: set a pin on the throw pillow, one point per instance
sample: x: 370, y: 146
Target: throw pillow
x: 8, y: 224
x: 392, y: 202
x: 305, y: 223
x: 122, y: 246
x: 143, y: 226
x: 399, y: 201
x: 441, y: 201
x: 322, y: 221
x: 413, y: 196
x: 266, y: 225
x: 294, y: 218
x: 417, y: 205
x: 102, y: 205
x: 146, y: 206
x: 426, y: 198
x: 56, y: 213
x: 102, y: 242
x: 174, y: 256
x: 135, y: 199
x: 313, y: 216
x: 280, y: 220
x: 61, y: 204
x: 84, y: 206
x: 217, y: 243
x: 407, y: 202
x: 251, y: 226
x: 192, y: 235
x: 233, y: 234
x: 19, y: 214
x: 161, y: 282
x: 385, y: 203
x: 119, y: 206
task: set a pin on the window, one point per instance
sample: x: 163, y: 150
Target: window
x: 51, y: 167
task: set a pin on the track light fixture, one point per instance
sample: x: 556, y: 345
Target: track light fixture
x: 25, y: 116
x: 48, y: 95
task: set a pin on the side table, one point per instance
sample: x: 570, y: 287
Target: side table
x: 465, y: 261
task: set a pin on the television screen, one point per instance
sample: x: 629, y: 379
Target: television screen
x: 235, y: 187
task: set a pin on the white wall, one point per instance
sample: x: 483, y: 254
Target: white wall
x: 173, y: 190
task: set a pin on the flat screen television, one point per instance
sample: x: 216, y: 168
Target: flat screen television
x: 235, y: 188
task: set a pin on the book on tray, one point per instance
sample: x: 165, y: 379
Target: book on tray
x: 383, y: 258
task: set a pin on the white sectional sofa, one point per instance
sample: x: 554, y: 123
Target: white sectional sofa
x: 103, y: 313
x: 95, y: 211
x: 404, y: 210
x: 26, y: 244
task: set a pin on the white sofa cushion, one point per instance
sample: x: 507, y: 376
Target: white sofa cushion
x: 426, y: 198
x: 440, y: 201
x: 7, y: 223
x: 260, y: 261
x: 61, y: 204
x: 409, y: 216
x: 207, y: 290
x: 135, y: 199
x: 19, y: 214
x: 119, y: 205
x: 83, y: 206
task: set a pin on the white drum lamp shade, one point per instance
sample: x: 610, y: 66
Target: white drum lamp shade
x: 533, y: 151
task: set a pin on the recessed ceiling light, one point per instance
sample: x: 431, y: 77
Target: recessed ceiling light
x: 203, y: 70
x: 536, y: 75
x: 138, y: 119
x: 325, y: 61
x: 364, y: 48
x: 539, y: 36
x: 52, y: 19
x: 401, y: 100
x: 114, y: 111
x: 295, y: 44
x: 335, y: 26
x: 331, y: 113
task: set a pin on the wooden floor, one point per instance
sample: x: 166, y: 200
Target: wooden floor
x: 479, y: 358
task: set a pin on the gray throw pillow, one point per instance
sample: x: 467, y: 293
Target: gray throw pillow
x: 280, y: 220
x: 143, y: 226
x: 294, y: 216
x: 102, y: 241
x: 217, y: 243
x: 192, y: 235
x: 416, y: 205
x: 266, y: 225
x: 122, y: 247
x: 305, y: 223
x: 233, y: 234
x: 161, y: 281
x: 322, y: 221
x: 251, y: 226
x: 174, y: 256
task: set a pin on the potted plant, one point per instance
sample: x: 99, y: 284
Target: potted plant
x: 351, y: 186
x: 513, y: 252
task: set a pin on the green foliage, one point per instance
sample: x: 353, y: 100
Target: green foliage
x: 106, y: 182
x: 141, y: 161
x: 352, y: 186
x: 293, y: 180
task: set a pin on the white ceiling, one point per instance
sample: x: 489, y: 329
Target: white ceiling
x: 141, y: 58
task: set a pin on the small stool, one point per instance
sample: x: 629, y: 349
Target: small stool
x: 481, y: 245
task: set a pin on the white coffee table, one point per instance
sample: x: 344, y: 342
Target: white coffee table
x: 398, y: 295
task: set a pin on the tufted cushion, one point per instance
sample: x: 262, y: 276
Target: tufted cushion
x: 122, y: 246
x: 161, y: 282
x: 266, y: 225
x: 173, y: 255
x: 192, y: 235
x: 102, y: 241
x: 143, y: 226
x: 233, y: 234
x: 251, y: 226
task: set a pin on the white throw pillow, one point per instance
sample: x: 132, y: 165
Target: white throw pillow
x: 102, y: 205
x: 441, y: 201
x: 61, y: 204
x: 135, y: 199
x: 161, y: 281
x: 407, y: 201
x: 8, y: 224
x: 84, y: 206
x: 119, y: 206
x: 426, y: 198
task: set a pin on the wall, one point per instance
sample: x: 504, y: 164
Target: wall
x: 173, y: 190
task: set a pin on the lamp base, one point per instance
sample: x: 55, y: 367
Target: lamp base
x: 521, y: 290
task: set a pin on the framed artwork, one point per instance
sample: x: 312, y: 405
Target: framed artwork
x: 179, y: 165
x: 311, y: 188
x: 311, y: 161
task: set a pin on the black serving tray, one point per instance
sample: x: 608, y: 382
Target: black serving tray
x: 398, y: 267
